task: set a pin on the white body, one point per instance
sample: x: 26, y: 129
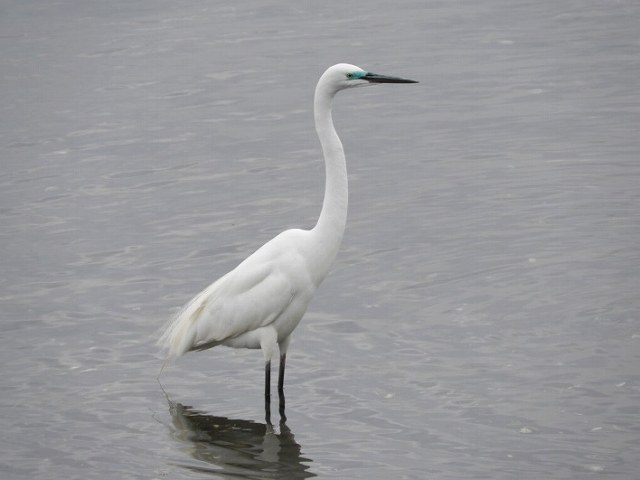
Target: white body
x: 256, y: 305
x: 260, y: 302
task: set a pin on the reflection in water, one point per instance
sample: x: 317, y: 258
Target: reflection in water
x: 239, y: 448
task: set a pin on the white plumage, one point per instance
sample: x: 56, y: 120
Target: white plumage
x: 260, y: 302
x: 262, y: 298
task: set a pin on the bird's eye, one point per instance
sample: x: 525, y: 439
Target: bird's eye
x: 349, y: 75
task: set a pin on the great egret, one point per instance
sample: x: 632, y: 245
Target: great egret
x: 259, y: 303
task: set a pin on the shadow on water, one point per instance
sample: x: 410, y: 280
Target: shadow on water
x: 238, y: 448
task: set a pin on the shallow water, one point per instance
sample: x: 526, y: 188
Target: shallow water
x: 482, y: 318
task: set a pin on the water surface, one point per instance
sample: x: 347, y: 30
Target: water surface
x: 481, y: 320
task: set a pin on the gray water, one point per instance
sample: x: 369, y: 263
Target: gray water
x: 481, y: 320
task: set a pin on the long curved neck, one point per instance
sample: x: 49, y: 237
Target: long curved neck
x: 327, y: 233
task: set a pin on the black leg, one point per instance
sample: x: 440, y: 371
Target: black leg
x: 267, y: 392
x: 283, y: 360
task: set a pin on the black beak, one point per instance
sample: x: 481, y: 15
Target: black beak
x: 375, y: 78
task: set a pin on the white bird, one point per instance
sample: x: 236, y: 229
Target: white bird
x: 259, y: 303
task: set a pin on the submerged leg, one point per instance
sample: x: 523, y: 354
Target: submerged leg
x: 283, y: 345
x: 267, y: 392
x: 283, y: 360
x: 268, y: 341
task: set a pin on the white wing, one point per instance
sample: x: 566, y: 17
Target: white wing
x: 251, y: 296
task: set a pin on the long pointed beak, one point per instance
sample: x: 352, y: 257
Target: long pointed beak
x: 375, y: 78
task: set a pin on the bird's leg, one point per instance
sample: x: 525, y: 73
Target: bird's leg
x: 267, y: 392
x: 283, y: 360
x: 268, y: 341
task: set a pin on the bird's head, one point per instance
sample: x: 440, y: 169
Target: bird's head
x: 344, y: 75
